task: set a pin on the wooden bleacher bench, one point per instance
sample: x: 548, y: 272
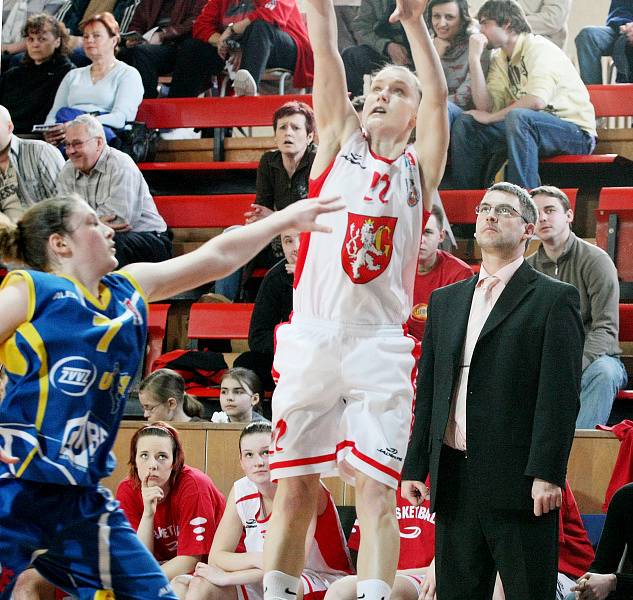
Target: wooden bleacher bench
x: 608, y: 101
x: 612, y: 161
x: 210, y: 113
x: 211, y: 447
x: 217, y: 322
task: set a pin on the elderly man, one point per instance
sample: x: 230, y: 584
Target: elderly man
x: 28, y: 170
x: 113, y: 185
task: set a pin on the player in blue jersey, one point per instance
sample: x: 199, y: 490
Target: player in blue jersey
x: 72, y: 335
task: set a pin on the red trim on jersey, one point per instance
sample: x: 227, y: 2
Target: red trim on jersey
x: 249, y: 497
x: 310, y: 590
x: 243, y: 588
x: 374, y: 463
x: 314, y: 189
x: 384, y: 159
x: 416, y: 353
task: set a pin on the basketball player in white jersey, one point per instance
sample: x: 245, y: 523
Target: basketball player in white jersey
x: 345, y: 365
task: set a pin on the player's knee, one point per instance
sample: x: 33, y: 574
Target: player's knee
x: 374, y: 499
x: 200, y: 589
x: 296, y: 496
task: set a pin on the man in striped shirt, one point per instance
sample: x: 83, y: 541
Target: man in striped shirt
x: 28, y: 170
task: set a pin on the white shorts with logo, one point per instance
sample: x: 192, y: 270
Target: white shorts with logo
x: 344, y: 399
x: 314, y: 587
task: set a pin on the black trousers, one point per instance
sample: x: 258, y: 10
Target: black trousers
x: 193, y: 63
x: 142, y: 246
x: 474, y: 541
x: 359, y: 61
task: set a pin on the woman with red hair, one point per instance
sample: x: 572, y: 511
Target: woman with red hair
x: 174, y: 508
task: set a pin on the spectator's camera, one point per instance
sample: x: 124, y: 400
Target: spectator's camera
x: 233, y: 45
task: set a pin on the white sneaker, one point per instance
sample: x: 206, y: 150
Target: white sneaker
x: 180, y: 133
x: 244, y: 84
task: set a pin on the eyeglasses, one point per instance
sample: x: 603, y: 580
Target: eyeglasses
x: 500, y: 211
x: 79, y: 144
x: 150, y: 409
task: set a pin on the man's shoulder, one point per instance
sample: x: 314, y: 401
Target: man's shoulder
x: 118, y: 159
x: 454, y: 263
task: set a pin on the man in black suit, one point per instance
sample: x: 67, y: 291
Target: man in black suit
x: 498, y: 394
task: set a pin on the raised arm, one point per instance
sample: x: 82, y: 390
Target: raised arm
x: 225, y: 253
x: 335, y: 116
x: 432, y: 135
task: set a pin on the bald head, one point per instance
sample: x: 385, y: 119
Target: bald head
x: 6, y: 128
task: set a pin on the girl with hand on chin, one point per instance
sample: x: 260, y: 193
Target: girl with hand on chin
x: 175, y: 509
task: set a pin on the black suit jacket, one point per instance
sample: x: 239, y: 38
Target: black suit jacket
x: 523, y: 387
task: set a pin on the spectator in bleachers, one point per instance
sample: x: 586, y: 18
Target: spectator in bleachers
x: 416, y: 565
x: 548, y: 18
x: 602, y: 579
x: 615, y: 40
x: 452, y: 28
x: 251, y: 37
x: 166, y: 43
x: 15, y: 14
x: 28, y: 170
x: 28, y: 89
x: 240, y: 397
x: 282, y: 178
x: 535, y: 105
x: 108, y: 87
x: 570, y: 259
x: 231, y: 574
x: 273, y: 305
x: 174, y: 508
x: 110, y: 182
x: 380, y: 42
x: 436, y: 268
x: 74, y: 12
x: 163, y: 398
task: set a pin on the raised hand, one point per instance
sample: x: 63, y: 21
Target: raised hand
x: 152, y: 495
x: 407, y: 10
x: 302, y: 215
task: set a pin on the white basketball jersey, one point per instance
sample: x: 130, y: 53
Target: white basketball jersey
x: 328, y: 553
x: 363, y: 272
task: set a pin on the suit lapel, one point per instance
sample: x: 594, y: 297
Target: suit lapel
x: 457, y: 318
x: 521, y: 284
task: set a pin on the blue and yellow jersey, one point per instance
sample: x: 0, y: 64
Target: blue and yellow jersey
x: 70, y: 366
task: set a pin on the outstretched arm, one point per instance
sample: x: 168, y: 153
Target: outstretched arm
x: 335, y: 116
x: 227, y: 252
x: 431, y: 132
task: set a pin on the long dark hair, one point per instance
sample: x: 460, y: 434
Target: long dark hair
x: 466, y: 21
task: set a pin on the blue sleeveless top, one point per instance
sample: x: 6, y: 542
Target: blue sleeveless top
x: 70, y: 366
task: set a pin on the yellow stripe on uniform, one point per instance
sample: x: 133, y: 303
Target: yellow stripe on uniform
x: 32, y: 337
x: 104, y: 595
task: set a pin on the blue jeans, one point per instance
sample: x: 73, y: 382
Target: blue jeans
x: 478, y: 151
x: 592, y: 43
x: 453, y: 112
x: 600, y: 382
